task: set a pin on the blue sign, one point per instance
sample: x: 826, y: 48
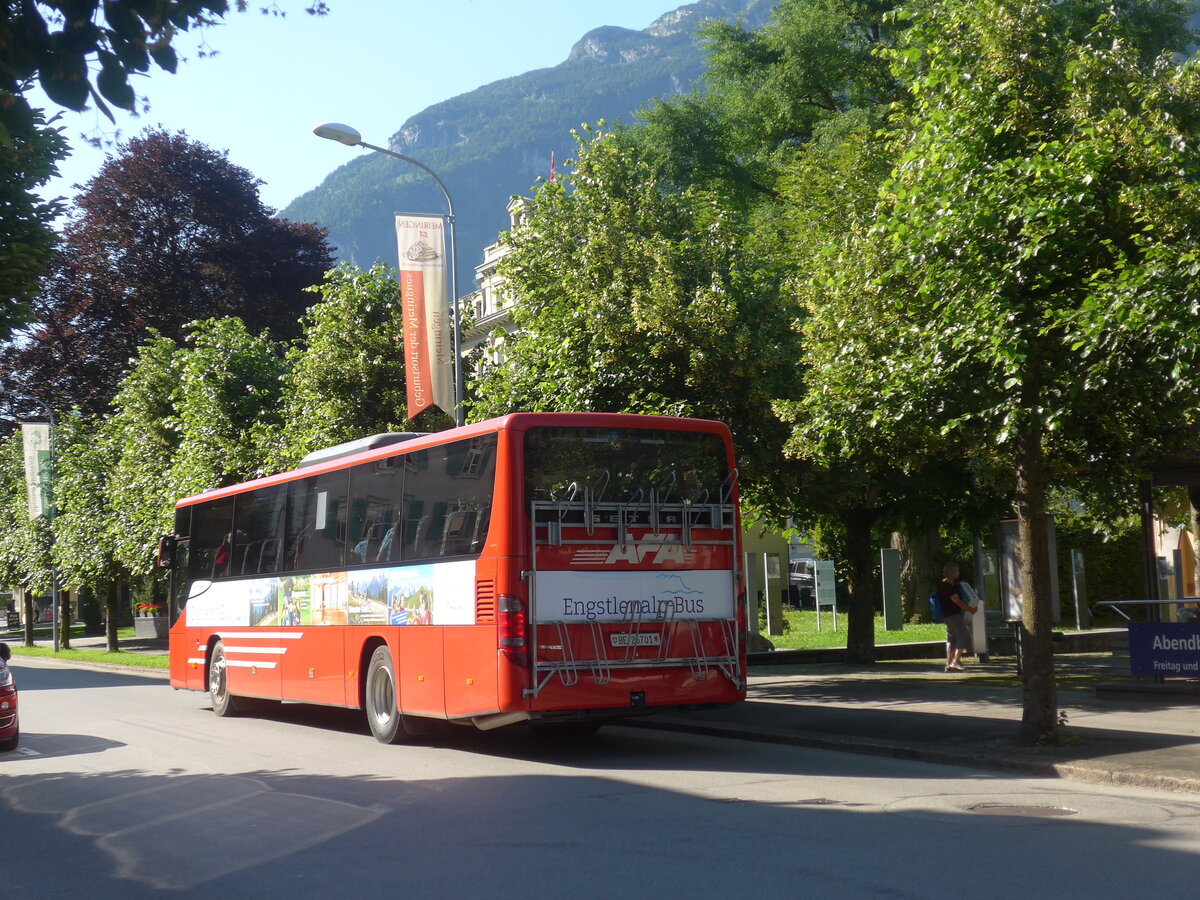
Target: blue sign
x: 1170, y: 649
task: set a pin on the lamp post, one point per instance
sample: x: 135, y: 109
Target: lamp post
x: 344, y: 134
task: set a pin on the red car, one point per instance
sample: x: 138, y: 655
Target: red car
x: 10, y: 728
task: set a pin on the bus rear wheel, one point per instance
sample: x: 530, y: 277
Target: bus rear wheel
x: 387, y: 724
x: 223, y: 702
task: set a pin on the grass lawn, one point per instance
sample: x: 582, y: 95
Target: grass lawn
x: 802, y: 633
x: 120, y: 658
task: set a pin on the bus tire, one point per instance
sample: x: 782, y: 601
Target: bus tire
x: 223, y: 702
x: 383, y: 716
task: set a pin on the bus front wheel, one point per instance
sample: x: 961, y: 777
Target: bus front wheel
x: 387, y: 724
x: 223, y: 702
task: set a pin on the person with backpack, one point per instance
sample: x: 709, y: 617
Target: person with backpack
x: 953, y: 604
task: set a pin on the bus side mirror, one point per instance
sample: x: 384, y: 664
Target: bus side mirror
x: 164, y: 555
x: 5, y: 653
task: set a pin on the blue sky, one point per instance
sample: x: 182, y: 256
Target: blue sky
x: 369, y: 63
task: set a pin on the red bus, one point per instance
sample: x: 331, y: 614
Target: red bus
x: 550, y: 568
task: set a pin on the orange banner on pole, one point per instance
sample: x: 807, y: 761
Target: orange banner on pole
x: 428, y: 341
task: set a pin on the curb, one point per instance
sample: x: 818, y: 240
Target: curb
x: 1068, y: 771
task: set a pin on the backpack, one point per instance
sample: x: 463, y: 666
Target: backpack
x: 935, y: 606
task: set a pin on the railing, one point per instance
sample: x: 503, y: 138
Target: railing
x: 598, y: 648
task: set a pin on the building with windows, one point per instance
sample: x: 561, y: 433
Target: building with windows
x: 490, y: 305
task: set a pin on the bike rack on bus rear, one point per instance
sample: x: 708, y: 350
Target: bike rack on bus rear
x: 675, y: 519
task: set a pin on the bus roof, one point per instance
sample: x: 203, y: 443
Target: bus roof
x: 516, y: 422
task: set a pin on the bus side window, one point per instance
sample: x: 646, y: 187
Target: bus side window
x: 376, y: 495
x: 450, y: 496
x: 212, y: 528
x: 316, y: 524
x: 258, y: 532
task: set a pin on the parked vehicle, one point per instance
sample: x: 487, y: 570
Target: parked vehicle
x: 802, y: 580
x: 10, y: 728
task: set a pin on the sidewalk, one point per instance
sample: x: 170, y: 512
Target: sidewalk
x: 914, y: 710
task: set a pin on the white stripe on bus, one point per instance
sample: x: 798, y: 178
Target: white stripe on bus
x: 257, y: 634
x: 239, y: 648
x: 250, y: 664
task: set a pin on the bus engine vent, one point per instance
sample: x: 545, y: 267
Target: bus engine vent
x: 485, y: 601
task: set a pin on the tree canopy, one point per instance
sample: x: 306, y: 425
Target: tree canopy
x: 1026, y: 291
x: 59, y: 43
x: 28, y: 160
x: 637, y: 299
x: 79, y: 53
x: 167, y: 233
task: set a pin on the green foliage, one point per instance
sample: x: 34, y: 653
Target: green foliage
x: 346, y: 376
x: 28, y: 160
x: 169, y: 232
x: 228, y: 398
x: 60, y: 43
x: 639, y: 300
x: 1027, y: 275
x: 63, y: 46
x: 767, y: 91
x: 188, y: 419
x: 1113, y: 566
x: 84, y: 542
x: 143, y: 435
x: 24, y: 543
x: 1037, y: 229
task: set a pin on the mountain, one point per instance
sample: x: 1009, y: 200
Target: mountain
x: 496, y: 141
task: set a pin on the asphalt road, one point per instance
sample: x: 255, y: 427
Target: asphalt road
x: 124, y: 788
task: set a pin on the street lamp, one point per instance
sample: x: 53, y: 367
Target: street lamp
x: 344, y: 134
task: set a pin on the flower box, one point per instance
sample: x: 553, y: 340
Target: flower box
x: 150, y: 626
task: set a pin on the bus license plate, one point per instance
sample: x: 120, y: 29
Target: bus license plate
x: 625, y: 639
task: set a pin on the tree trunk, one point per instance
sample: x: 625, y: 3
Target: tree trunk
x: 110, y: 617
x: 64, y: 617
x: 1039, y: 722
x: 28, y: 613
x: 921, y: 560
x: 860, y: 607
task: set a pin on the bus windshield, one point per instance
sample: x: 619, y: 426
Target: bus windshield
x: 624, y: 464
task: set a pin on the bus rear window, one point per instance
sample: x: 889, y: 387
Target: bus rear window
x: 624, y: 464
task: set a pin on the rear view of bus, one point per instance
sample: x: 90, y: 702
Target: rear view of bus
x: 628, y: 597
x: 558, y: 569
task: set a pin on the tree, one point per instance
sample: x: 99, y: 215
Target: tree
x: 167, y: 233
x: 765, y: 92
x: 634, y: 299
x: 57, y: 44
x: 188, y: 419
x: 84, y: 536
x: 142, y: 436
x: 346, y: 375
x: 27, y: 162
x: 1034, y: 262
x: 124, y: 41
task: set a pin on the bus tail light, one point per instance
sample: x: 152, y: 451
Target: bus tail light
x: 512, y: 622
